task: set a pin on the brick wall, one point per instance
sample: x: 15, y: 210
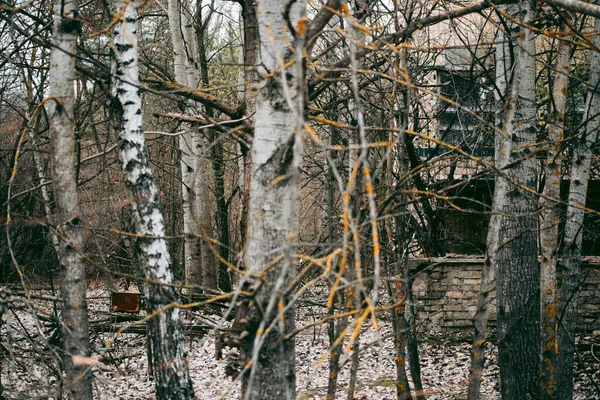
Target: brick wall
x: 446, y: 292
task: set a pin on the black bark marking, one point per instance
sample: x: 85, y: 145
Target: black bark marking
x: 59, y: 107
x: 122, y: 47
x: 70, y: 25
x: 273, y: 92
x: 281, y: 160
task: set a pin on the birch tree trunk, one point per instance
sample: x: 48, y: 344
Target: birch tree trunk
x: 549, y: 223
x: 570, y: 276
x: 273, y: 220
x: 204, y: 204
x: 67, y: 27
x: 187, y: 148
x: 511, y: 261
x: 165, y: 332
x: 518, y: 274
x: 39, y: 166
x: 357, y: 160
x: 488, y: 275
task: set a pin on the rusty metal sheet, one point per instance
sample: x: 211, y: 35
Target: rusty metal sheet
x: 125, y: 302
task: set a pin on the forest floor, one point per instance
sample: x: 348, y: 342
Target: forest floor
x: 27, y: 369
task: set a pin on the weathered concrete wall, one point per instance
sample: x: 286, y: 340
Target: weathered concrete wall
x: 446, y: 291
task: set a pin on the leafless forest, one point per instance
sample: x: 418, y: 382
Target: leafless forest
x: 266, y: 200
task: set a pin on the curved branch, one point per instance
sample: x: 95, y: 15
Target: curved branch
x: 195, y: 95
x: 579, y: 6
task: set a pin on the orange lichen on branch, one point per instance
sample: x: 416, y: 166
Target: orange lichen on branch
x: 345, y: 9
x: 302, y: 26
x: 312, y: 133
x: 358, y: 325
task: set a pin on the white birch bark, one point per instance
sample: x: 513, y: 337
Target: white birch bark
x: 488, y: 278
x: 39, y: 166
x: 549, y: 220
x: 188, y: 142
x: 273, y: 220
x: 205, y: 203
x: 201, y: 265
x: 570, y: 277
x: 67, y: 27
x: 518, y: 275
x: 511, y: 240
x: 165, y: 332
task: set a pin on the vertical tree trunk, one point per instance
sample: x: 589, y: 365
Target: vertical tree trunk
x: 216, y: 272
x: 222, y: 217
x: 570, y: 275
x: 549, y: 224
x: 488, y: 275
x: 246, y: 151
x: 67, y: 27
x: 3, y: 308
x: 205, y: 211
x: 187, y: 148
x: 518, y: 273
x: 218, y: 164
x: 250, y: 56
x: 410, y: 314
x: 401, y: 326
x: 165, y: 332
x: 402, y: 329
x: 357, y: 165
x: 273, y: 220
x: 39, y: 166
x: 407, y: 322
x: 336, y: 326
x: 204, y: 205
x: 511, y: 260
